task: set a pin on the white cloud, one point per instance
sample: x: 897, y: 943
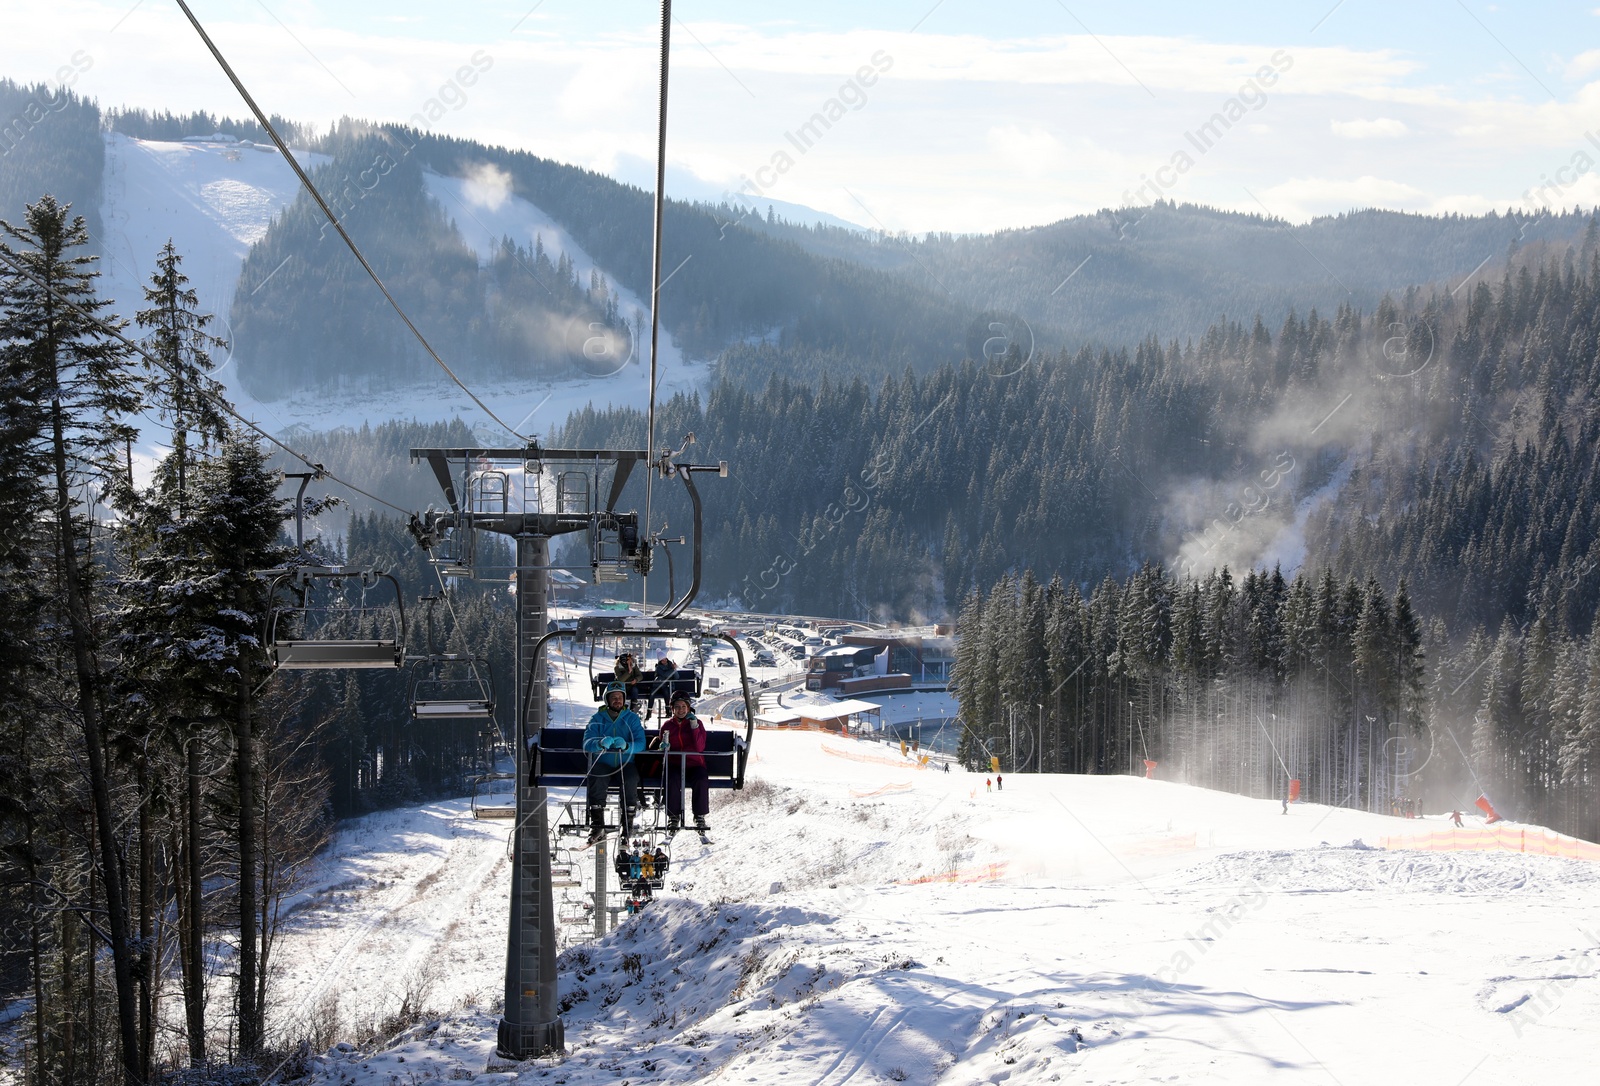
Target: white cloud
x: 1377, y: 128
x: 1302, y: 198
x: 1585, y: 63
x: 1028, y: 149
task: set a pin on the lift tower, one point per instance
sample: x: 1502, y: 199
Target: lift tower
x: 529, y: 495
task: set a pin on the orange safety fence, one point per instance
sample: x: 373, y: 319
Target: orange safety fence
x: 1156, y: 846
x: 872, y: 759
x: 1499, y: 838
x: 886, y: 790
x: 983, y: 873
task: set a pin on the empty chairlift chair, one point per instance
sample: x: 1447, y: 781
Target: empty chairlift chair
x: 494, y: 796
x: 324, y: 630
x: 452, y: 686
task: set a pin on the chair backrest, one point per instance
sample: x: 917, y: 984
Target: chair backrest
x: 685, y: 680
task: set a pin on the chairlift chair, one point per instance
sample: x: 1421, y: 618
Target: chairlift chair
x: 452, y: 686
x: 295, y: 642
x: 488, y: 803
x: 558, y: 759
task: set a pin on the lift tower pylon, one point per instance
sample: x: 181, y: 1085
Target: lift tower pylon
x: 503, y: 491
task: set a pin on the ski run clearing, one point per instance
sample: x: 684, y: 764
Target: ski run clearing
x: 861, y: 920
x: 216, y: 199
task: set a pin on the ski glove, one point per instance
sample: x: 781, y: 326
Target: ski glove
x: 613, y: 743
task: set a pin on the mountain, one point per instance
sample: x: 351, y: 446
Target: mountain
x: 761, y: 297
x: 50, y: 142
x: 1170, y: 270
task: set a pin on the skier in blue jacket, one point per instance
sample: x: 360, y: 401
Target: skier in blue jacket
x: 614, y: 735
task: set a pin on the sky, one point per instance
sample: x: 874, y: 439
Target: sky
x: 951, y: 115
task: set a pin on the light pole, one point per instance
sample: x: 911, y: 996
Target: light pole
x: 1039, y: 740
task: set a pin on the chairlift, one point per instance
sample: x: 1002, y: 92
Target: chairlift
x: 654, y: 685
x: 489, y: 802
x: 315, y: 634
x: 558, y: 758
x: 452, y: 686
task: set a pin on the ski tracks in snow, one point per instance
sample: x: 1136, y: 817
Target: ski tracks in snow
x: 382, y: 946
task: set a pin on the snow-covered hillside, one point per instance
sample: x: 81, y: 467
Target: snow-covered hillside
x: 215, y: 199
x: 860, y: 920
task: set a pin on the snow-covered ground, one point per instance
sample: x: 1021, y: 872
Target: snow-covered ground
x: 215, y: 200
x: 859, y: 920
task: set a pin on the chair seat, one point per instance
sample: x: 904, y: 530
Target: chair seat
x: 462, y: 708
x: 334, y: 654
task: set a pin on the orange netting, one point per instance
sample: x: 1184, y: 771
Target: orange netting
x: 1156, y: 846
x: 1499, y: 838
x: 971, y: 874
x: 874, y: 759
x: 888, y: 789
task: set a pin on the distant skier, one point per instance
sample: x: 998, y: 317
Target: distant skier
x: 1286, y: 803
x: 988, y: 785
x: 1455, y: 816
x: 947, y: 767
x: 999, y: 783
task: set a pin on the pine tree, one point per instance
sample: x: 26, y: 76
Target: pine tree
x: 56, y: 351
x: 165, y: 636
x: 240, y: 517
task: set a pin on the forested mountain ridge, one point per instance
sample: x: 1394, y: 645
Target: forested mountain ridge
x: 1460, y: 430
x: 508, y: 317
x: 1168, y: 269
x: 50, y: 142
x: 765, y: 296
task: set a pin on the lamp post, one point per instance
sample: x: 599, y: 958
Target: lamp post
x: 1039, y: 745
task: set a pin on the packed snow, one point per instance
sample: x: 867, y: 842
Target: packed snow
x: 860, y: 919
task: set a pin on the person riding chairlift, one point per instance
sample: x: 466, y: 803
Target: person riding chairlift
x: 613, y: 736
x: 683, y: 737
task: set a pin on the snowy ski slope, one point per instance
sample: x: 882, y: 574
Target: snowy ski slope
x: 861, y: 920
x: 215, y: 200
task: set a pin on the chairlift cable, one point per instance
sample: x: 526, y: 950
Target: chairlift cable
x: 220, y: 402
x: 305, y: 180
x: 655, y: 273
x: 449, y: 605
